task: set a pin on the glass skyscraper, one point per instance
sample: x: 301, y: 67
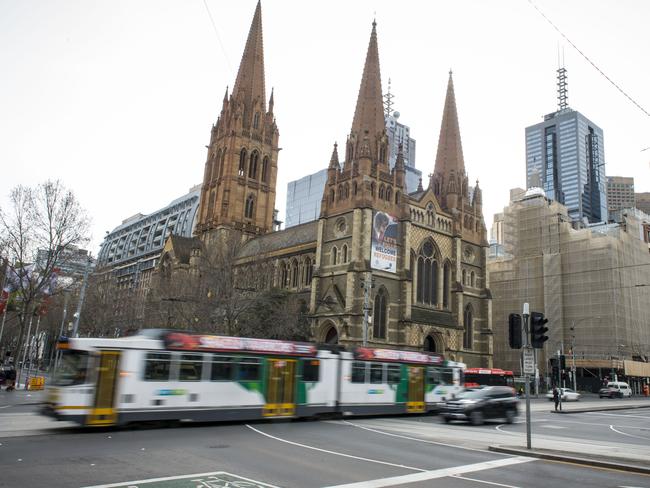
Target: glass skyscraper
x: 565, y: 156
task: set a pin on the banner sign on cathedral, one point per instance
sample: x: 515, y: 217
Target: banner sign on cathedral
x: 384, y: 242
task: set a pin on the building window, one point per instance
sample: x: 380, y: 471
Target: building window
x: 427, y: 275
x: 381, y: 192
x: 332, y: 195
x: 308, y: 270
x: 354, y: 188
x: 397, y: 197
x: 389, y: 194
x: 294, y: 274
x: 242, y: 162
x: 265, y: 169
x: 252, y: 167
x: 335, y: 252
x: 468, y: 335
x: 344, y: 254
x: 249, y: 210
x: 256, y: 120
x: 284, y: 278
x: 445, y: 285
x: 379, y: 315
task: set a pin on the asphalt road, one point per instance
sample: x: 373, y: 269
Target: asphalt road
x: 355, y: 453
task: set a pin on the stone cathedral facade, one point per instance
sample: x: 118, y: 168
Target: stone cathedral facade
x: 421, y: 257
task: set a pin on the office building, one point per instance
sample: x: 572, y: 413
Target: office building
x: 643, y: 202
x: 620, y: 193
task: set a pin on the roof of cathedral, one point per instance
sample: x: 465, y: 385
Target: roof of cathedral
x: 369, y: 113
x: 282, y: 239
x: 250, y: 77
x: 450, y: 149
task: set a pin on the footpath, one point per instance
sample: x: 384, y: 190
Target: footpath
x: 612, y: 455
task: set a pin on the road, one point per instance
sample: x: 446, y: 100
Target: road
x: 358, y: 452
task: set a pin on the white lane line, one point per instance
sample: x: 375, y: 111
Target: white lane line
x: 124, y: 484
x: 6, y: 406
x: 483, y: 481
x: 435, y: 474
x: 414, y: 438
x: 629, y: 435
x: 617, y: 415
x: 333, y: 452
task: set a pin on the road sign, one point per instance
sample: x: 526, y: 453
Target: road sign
x: 529, y: 361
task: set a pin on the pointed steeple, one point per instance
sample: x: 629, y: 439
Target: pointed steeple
x: 249, y: 86
x: 450, y: 150
x: 369, y: 113
x: 334, y: 160
x: 271, y: 102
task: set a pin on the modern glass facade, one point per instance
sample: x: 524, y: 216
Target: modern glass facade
x: 565, y: 156
x: 304, y: 198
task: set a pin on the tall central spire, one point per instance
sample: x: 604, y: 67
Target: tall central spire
x: 369, y: 114
x: 249, y: 86
x: 450, y: 149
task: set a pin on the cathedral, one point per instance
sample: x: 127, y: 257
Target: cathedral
x: 381, y: 266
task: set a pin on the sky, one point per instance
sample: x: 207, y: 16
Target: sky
x: 117, y: 98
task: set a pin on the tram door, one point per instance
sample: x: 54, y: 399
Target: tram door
x: 280, y: 388
x: 415, y: 401
x: 103, y: 411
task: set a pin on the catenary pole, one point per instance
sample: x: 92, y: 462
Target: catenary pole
x: 526, y: 314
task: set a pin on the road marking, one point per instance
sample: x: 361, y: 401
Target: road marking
x: 618, y: 415
x: 414, y: 438
x: 435, y: 474
x: 483, y: 481
x: 6, y: 406
x: 333, y: 452
x: 498, y: 427
x: 629, y: 435
x: 214, y: 474
x: 553, y: 426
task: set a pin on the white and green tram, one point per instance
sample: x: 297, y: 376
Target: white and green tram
x: 173, y: 375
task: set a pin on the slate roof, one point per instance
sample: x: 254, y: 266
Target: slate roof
x: 282, y: 239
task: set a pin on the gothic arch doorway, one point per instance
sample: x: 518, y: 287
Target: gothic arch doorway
x: 430, y: 344
x: 332, y: 336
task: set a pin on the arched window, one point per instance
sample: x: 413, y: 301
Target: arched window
x: 335, y: 252
x: 397, y: 197
x: 265, y: 169
x: 344, y: 254
x: 429, y: 344
x: 242, y: 162
x: 211, y: 202
x: 249, y: 209
x: 340, y: 192
x: 464, y: 277
x: 382, y: 153
x: 389, y: 194
x: 215, y: 165
x: 294, y: 273
x: 427, y: 274
x: 307, y: 272
x: 379, y: 315
x: 381, y: 192
x: 472, y: 279
x: 372, y: 189
x: 223, y: 159
x: 332, y: 195
x: 468, y: 335
x: 354, y: 188
x: 284, y: 275
x: 445, y: 285
x: 256, y: 120
x: 332, y: 337
x: 252, y: 167
x: 346, y: 190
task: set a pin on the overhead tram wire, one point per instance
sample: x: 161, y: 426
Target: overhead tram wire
x: 589, y: 60
x: 216, y: 33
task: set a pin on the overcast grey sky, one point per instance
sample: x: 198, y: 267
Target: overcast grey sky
x: 116, y: 98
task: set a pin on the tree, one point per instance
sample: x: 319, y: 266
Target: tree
x: 36, y: 229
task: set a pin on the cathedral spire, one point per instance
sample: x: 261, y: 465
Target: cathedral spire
x: 450, y: 151
x: 249, y: 86
x: 369, y: 114
x: 334, y: 160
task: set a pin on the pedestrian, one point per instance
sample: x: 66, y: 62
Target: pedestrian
x: 11, y: 379
x: 646, y: 390
x: 556, y: 397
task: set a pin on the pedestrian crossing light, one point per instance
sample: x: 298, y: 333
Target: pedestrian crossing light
x: 514, y: 329
x: 538, y: 329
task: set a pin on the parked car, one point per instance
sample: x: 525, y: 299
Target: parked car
x: 477, y: 405
x: 615, y: 389
x: 568, y: 395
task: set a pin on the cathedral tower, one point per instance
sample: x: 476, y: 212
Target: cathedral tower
x: 241, y: 168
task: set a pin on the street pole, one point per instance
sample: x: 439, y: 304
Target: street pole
x: 65, y: 313
x: 527, y: 347
x: 2, y: 329
x: 31, y: 361
x: 559, y: 380
x: 573, y: 356
x: 29, y: 332
x: 82, y: 294
x: 367, y: 285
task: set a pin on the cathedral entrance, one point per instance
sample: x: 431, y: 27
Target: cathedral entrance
x: 429, y: 344
x: 332, y: 336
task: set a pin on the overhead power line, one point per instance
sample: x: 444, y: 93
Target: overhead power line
x: 216, y: 33
x: 589, y: 60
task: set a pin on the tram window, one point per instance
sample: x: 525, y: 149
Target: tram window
x: 249, y: 369
x: 358, y: 372
x: 434, y: 376
x: 222, y: 368
x: 393, y: 374
x: 157, y: 366
x: 73, y: 368
x: 191, y: 367
x: 448, y: 376
x: 376, y: 373
x: 310, y: 369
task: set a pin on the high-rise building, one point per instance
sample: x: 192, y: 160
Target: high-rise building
x: 565, y: 156
x: 643, y: 201
x: 620, y: 193
x: 304, y: 195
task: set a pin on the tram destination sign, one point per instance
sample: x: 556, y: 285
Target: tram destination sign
x: 369, y: 353
x: 218, y: 479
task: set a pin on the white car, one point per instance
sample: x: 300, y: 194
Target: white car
x: 568, y: 395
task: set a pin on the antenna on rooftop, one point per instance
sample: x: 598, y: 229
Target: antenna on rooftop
x: 388, y: 101
x: 562, y: 89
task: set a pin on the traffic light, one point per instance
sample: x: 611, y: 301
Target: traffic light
x: 563, y: 362
x: 514, y: 329
x: 538, y: 329
x: 555, y: 370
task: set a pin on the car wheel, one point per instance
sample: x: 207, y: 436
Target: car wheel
x: 510, y: 416
x: 476, y: 417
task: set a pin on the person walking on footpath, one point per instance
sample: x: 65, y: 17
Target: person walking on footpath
x: 556, y: 397
x: 11, y: 379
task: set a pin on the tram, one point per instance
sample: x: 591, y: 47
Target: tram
x: 173, y: 375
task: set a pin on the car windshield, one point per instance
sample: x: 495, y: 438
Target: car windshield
x: 73, y: 369
x: 471, y: 394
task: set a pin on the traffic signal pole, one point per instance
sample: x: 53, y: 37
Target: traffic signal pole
x: 527, y: 350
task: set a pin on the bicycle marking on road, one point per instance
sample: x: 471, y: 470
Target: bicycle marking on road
x: 629, y: 435
x: 333, y: 452
x: 436, y: 474
x: 414, y: 438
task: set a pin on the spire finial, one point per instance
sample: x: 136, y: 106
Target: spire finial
x: 250, y: 76
x: 334, y: 160
x: 271, y: 100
